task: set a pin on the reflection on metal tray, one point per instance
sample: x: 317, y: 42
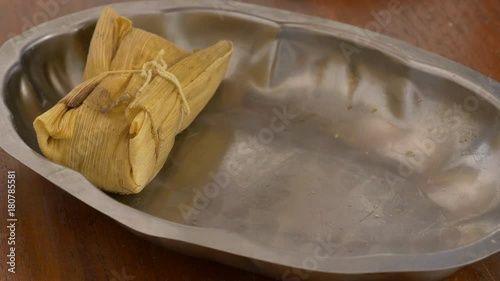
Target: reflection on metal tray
x: 351, y: 156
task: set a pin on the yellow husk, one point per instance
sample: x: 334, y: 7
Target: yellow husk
x: 118, y: 127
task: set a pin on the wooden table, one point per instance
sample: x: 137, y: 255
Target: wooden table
x: 60, y: 238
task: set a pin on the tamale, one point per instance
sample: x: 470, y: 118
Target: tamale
x: 139, y: 91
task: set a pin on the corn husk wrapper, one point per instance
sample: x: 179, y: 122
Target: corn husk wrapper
x: 139, y: 91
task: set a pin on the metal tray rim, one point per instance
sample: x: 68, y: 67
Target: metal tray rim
x: 75, y: 184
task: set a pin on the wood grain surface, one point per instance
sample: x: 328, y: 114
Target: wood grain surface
x: 60, y: 238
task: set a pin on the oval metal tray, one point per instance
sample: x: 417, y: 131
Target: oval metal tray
x: 329, y: 152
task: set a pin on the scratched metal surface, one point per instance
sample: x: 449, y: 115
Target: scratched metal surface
x: 326, y: 147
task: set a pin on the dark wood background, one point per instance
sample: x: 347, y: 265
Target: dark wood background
x: 60, y: 238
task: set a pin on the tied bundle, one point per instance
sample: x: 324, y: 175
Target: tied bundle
x: 139, y: 91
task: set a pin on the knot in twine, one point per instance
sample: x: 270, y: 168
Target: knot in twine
x: 159, y: 67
